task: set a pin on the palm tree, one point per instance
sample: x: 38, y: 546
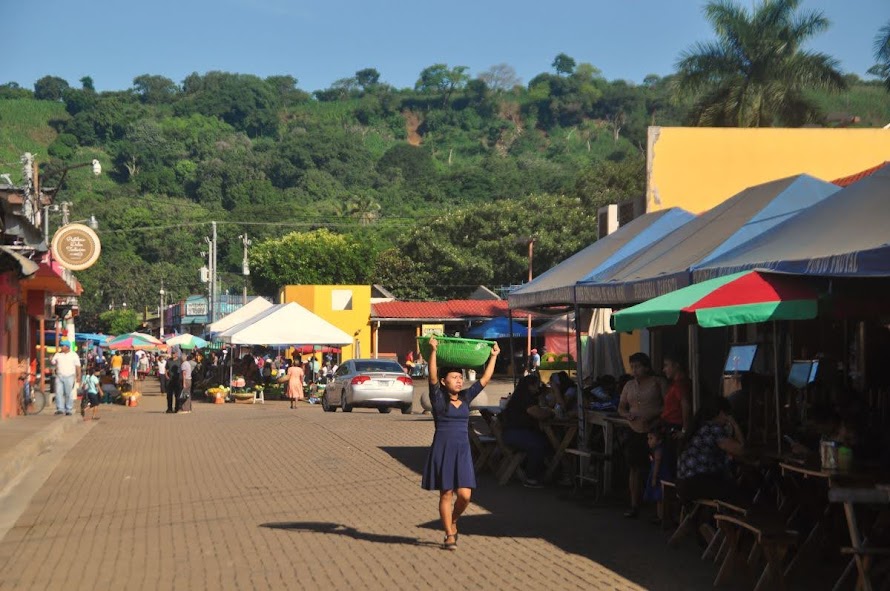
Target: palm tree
x: 364, y: 209
x: 882, y: 54
x: 755, y: 73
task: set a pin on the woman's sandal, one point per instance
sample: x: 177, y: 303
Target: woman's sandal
x: 446, y: 545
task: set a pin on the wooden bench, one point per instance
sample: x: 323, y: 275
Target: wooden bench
x: 771, y: 537
x: 511, y: 460
x: 485, y: 447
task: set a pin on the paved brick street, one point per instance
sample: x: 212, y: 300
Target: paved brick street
x: 261, y: 497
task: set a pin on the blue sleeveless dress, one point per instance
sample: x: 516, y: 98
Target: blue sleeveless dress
x: 450, y: 463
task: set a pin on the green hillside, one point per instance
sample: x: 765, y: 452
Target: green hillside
x: 26, y: 126
x: 424, y: 190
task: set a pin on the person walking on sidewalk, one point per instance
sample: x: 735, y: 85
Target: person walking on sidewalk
x: 117, y: 362
x: 67, y: 367
x: 295, y: 377
x: 162, y: 372
x: 185, y: 395
x: 91, y: 393
x: 174, y: 384
x: 449, y: 466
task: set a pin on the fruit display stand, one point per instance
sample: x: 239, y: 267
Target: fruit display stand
x: 217, y: 394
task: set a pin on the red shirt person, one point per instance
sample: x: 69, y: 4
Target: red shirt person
x: 677, y: 409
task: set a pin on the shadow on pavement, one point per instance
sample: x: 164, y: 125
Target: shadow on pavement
x: 344, y: 530
x: 634, y: 549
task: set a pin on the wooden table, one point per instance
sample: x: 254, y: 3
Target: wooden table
x: 608, y: 423
x: 569, y: 428
x: 812, y: 469
x: 863, y: 553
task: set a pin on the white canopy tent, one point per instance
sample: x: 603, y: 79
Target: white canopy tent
x: 248, y: 310
x: 285, y: 324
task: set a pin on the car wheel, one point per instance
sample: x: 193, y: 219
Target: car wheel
x: 384, y: 410
x: 407, y: 409
x: 327, y: 405
x: 345, y: 407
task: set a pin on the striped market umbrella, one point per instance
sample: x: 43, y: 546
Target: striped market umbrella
x: 187, y: 341
x: 135, y: 341
x: 742, y: 298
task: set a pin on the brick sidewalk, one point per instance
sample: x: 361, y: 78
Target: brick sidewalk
x: 260, y: 497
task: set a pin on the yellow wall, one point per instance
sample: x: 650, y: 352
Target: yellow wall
x: 318, y: 299
x: 697, y: 168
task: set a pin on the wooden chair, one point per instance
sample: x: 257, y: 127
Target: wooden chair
x: 770, y: 537
x: 485, y: 447
x: 689, y: 517
x: 511, y: 460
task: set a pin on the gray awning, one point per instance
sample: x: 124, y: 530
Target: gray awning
x: 11, y: 259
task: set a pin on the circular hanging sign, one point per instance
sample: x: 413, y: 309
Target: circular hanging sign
x: 76, y: 247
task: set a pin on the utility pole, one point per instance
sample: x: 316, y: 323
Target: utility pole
x: 213, y: 276
x: 245, y: 266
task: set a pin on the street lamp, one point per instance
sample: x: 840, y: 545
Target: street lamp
x: 162, y: 293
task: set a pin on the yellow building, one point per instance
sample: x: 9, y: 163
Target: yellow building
x: 348, y: 307
x: 697, y: 168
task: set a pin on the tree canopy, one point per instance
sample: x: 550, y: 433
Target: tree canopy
x: 756, y: 72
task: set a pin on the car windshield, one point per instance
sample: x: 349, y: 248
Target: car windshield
x: 371, y: 366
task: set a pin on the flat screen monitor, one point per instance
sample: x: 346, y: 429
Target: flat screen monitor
x: 814, y: 371
x: 803, y: 373
x: 740, y: 358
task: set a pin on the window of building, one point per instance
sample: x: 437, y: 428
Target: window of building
x: 341, y: 299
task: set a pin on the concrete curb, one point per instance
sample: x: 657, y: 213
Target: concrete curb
x: 18, y: 460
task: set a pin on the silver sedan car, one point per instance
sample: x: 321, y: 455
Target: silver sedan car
x: 369, y: 383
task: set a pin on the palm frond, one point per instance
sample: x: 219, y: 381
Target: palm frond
x: 882, y: 44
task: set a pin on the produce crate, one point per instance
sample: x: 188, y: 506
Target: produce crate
x: 457, y: 352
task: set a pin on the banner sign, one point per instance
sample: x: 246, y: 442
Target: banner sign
x: 196, y: 309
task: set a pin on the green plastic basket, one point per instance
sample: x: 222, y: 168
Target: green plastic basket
x: 457, y: 352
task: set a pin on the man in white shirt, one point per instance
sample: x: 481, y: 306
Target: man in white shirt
x: 66, y: 365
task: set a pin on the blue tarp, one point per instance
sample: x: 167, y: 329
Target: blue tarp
x: 79, y: 337
x: 845, y: 235
x: 556, y: 286
x: 497, y: 328
x: 667, y: 265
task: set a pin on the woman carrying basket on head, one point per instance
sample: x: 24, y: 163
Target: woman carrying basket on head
x: 449, y: 466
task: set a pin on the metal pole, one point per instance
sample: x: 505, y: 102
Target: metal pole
x: 776, y: 384
x: 579, y: 376
x: 161, y: 311
x: 528, y: 349
x: 512, y: 355
x: 42, y: 353
x: 213, y: 271
x: 693, y: 354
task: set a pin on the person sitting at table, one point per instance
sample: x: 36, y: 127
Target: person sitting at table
x: 520, y: 423
x: 676, y: 415
x: 703, y: 467
x: 641, y: 403
x: 562, y: 391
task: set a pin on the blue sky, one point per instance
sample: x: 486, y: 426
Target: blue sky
x: 319, y: 42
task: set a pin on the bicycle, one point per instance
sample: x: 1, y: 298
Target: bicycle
x: 32, y: 400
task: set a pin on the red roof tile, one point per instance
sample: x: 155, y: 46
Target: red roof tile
x: 449, y: 309
x: 849, y: 180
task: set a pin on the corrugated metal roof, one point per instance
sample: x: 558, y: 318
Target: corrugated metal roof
x: 451, y: 309
x: 849, y: 180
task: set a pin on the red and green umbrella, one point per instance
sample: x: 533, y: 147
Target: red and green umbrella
x: 135, y: 341
x: 742, y: 298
